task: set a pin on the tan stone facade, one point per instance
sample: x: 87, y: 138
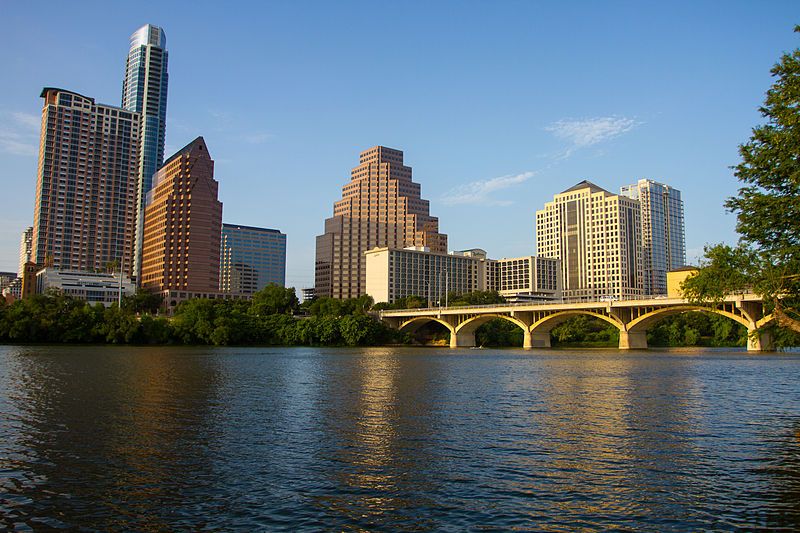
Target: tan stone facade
x: 86, y: 183
x: 380, y: 207
x: 596, y: 235
x: 183, y: 224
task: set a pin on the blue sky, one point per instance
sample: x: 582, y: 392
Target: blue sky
x: 497, y: 105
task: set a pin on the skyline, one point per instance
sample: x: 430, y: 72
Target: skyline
x: 475, y: 137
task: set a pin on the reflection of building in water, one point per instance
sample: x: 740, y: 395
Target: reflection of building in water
x: 251, y: 259
x: 148, y: 435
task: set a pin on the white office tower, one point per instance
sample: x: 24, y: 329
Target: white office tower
x: 663, y: 238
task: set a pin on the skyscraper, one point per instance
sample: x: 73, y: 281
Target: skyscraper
x: 182, y: 224
x: 596, y: 236
x: 662, y: 235
x: 380, y: 207
x: 86, y: 183
x: 144, y: 90
x: 251, y: 259
x: 25, y: 248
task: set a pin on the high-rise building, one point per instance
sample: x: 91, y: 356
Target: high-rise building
x: 25, y: 248
x: 144, y: 90
x: 662, y: 235
x: 380, y: 207
x: 595, y: 234
x: 251, y: 259
x: 183, y: 224
x: 86, y: 183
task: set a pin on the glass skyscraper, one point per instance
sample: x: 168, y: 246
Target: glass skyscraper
x: 251, y: 258
x: 663, y: 239
x: 145, y: 91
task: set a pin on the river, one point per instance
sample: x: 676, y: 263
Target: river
x: 387, y: 439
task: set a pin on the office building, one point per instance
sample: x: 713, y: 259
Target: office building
x: 662, y: 234
x: 393, y: 273
x: 525, y: 279
x: 92, y: 287
x: 183, y: 224
x: 86, y: 183
x: 398, y: 273
x: 251, y: 258
x: 25, y: 248
x: 596, y: 236
x: 380, y: 207
x: 144, y: 90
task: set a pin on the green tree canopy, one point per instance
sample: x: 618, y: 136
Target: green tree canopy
x: 767, y: 259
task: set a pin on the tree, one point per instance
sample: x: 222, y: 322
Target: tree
x: 767, y: 259
x: 274, y: 300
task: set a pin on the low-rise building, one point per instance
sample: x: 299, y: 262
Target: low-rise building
x: 398, y: 273
x: 92, y: 287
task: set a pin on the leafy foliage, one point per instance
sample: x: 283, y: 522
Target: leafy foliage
x: 767, y: 259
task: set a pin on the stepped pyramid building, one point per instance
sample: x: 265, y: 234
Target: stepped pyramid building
x: 380, y: 207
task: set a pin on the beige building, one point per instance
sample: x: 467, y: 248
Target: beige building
x: 596, y: 235
x: 529, y: 278
x: 85, y: 210
x: 380, y: 207
x: 183, y: 225
x: 398, y: 273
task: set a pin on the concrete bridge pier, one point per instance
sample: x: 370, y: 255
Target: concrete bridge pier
x: 759, y: 342
x: 632, y: 340
x: 462, y: 339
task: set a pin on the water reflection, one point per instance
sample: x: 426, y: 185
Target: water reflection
x: 397, y: 439
x: 111, y: 437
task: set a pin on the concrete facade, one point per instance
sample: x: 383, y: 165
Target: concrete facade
x: 596, y: 235
x: 662, y: 231
x: 91, y: 287
x: 398, y: 273
x: 183, y: 224
x: 380, y: 207
x: 85, y: 209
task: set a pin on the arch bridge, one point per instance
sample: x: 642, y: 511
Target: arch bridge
x: 631, y: 317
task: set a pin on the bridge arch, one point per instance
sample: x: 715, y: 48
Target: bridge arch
x: 417, y: 322
x: 465, y: 331
x: 643, y: 323
x: 545, y: 324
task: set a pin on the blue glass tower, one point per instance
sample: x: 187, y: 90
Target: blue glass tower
x: 251, y: 258
x: 145, y: 91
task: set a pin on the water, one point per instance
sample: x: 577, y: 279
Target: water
x: 157, y: 439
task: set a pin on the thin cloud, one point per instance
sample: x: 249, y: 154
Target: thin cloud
x: 479, y: 192
x: 258, y: 138
x: 19, y: 133
x: 581, y: 133
x: 32, y: 122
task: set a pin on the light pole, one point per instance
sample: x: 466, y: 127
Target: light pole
x: 446, y: 286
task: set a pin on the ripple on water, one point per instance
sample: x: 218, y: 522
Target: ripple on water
x: 397, y: 439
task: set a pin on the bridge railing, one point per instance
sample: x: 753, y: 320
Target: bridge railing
x: 541, y: 303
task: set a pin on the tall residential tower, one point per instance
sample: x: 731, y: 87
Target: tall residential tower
x: 85, y: 209
x: 380, y: 207
x: 596, y: 236
x: 144, y: 90
x: 663, y: 238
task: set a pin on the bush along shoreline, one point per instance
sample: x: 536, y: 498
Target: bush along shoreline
x: 273, y: 317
